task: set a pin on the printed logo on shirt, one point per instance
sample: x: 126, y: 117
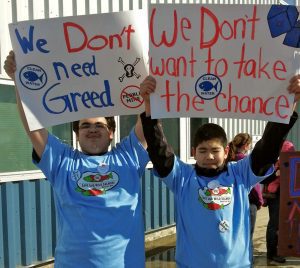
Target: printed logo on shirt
x: 215, y: 198
x: 93, y: 184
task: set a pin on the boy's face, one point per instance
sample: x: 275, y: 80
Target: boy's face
x: 210, y: 154
x: 94, y: 136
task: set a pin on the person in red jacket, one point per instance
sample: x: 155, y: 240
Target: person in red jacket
x: 271, y: 195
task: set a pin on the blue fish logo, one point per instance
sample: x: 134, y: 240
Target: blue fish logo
x: 208, y: 86
x: 32, y: 76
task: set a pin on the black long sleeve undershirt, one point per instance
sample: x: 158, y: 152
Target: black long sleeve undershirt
x: 264, y: 154
x: 160, y: 152
x: 267, y: 149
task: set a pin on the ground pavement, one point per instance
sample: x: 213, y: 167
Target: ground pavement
x: 260, y: 244
x: 165, y: 259
x: 161, y: 253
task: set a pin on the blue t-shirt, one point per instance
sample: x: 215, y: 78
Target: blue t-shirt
x: 212, y: 215
x: 98, y: 204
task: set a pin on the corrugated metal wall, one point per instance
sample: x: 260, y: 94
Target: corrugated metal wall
x: 235, y: 126
x: 27, y: 220
x: 254, y: 128
x: 28, y: 223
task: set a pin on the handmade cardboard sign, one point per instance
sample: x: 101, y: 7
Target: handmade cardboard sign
x: 223, y: 60
x: 77, y: 67
x: 289, y: 219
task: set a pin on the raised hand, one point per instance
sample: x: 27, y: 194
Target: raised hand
x: 147, y: 87
x: 294, y: 87
x: 10, y: 65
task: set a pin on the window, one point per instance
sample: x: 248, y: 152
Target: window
x: 171, y: 130
x: 16, y: 148
x: 170, y: 125
x: 126, y: 124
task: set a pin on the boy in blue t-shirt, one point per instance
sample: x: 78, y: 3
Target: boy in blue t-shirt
x: 211, y: 197
x: 97, y: 192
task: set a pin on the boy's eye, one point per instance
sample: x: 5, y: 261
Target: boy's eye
x: 96, y: 125
x: 84, y: 126
x: 201, y: 151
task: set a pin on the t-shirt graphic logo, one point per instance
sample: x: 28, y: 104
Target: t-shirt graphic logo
x: 216, y: 198
x: 94, y: 183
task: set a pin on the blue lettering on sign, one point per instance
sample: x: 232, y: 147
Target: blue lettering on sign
x: 71, y: 102
x: 86, y: 69
x: 27, y: 43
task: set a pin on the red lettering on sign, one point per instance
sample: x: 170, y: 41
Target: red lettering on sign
x: 184, y: 26
x: 180, y: 66
x: 235, y: 30
x: 258, y: 68
x: 177, y: 100
x: 252, y: 105
x: 96, y: 42
x: 182, y: 100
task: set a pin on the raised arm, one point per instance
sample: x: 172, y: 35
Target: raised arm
x: 148, y: 86
x: 38, y: 137
x: 160, y: 152
x: 267, y: 149
x: 139, y: 132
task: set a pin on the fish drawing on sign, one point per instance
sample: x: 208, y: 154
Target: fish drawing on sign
x: 208, y: 86
x: 32, y: 76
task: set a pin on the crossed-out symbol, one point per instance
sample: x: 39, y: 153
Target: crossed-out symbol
x: 129, y: 69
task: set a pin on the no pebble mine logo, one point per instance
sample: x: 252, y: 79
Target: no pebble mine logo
x: 208, y: 86
x: 130, y: 97
x: 33, y: 77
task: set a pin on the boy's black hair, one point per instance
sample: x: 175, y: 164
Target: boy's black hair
x: 111, y: 124
x: 210, y: 131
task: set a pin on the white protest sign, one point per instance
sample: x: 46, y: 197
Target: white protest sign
x: 223, y: 60
x: 77, y: 67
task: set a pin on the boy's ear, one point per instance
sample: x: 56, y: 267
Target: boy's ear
x: 193, y: 152
x: 226, y: 150
x: 111, y: 135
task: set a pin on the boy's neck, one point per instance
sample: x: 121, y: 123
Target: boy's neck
x: 210, y: 172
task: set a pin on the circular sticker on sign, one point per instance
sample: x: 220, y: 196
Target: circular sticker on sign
x: 223, y: 226
x: 33, y: 77
x: 208, y: 86
x: 130, y: 97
